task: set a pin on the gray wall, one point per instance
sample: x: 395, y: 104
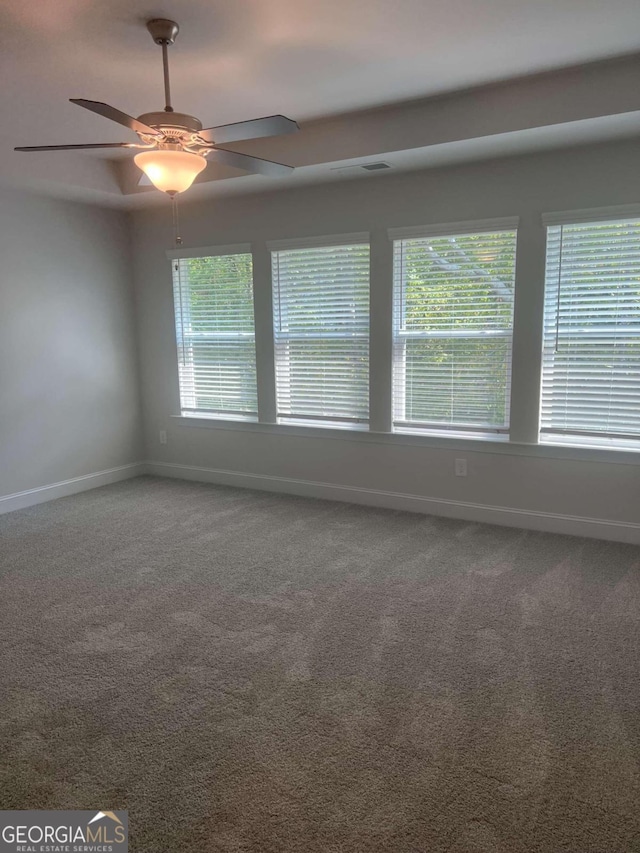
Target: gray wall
x: 591, y: 484
x: 69, y: 398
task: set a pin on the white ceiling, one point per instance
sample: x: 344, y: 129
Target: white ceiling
x: 241, y: 59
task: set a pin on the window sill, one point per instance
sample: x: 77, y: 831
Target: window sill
x: 343, y: 426
x: 456, y: 435
x: 493, y: 444
x: 591, y: 442
x: 228, y: 418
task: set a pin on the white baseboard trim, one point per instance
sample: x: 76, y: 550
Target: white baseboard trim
x: 30, y: 497
x: 597, y: 528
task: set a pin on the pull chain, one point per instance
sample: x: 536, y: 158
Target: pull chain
x: 181, y: 309
x: 176, y: 223
x: 177, y: 266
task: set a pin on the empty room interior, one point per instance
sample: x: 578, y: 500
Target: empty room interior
x: 320, y: 426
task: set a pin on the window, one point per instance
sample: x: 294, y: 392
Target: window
x: 591, y: 353
x: 215, y: 334
x: 321, y: 325
x: 453, y: 321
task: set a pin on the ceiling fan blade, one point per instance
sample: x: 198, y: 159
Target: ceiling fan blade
x: 254, y: 129
x: 115, y: 115
x: 73, y: 147
x: 255, y: 165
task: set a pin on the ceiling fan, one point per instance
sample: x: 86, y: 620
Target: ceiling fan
x: 175, y: 144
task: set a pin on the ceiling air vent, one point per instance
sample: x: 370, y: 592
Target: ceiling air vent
x: 376, y: 167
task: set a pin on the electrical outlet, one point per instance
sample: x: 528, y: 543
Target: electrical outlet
x: 460, y: 467
x: 163, y: 436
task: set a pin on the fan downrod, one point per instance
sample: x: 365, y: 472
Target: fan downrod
x: 162, y: 31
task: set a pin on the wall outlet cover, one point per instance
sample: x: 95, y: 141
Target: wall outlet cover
x: 460, y: 467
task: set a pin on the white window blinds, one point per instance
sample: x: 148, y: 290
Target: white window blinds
x: 321, y: 326
x: 591, y: 355
x: 215, y: 334
x: 453, y: 321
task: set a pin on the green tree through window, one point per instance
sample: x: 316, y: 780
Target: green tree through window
x: 453, y: 318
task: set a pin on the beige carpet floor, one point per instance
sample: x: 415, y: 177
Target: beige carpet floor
x: 253, y: 673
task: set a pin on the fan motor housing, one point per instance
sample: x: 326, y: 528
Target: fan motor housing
x: 175, y: 124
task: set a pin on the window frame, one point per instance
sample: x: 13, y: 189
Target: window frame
x: 360, y: 238
x: 568, y: 438
x: 400, y: 336
x: 175, y: 256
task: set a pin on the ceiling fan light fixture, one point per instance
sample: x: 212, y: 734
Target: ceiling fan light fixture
x: 170, y: 171
x: 170, y: 138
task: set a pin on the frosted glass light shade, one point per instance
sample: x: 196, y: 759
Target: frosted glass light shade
x: 170, y: 171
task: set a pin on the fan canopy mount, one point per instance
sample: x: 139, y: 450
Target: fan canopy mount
x: 163, y: 31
